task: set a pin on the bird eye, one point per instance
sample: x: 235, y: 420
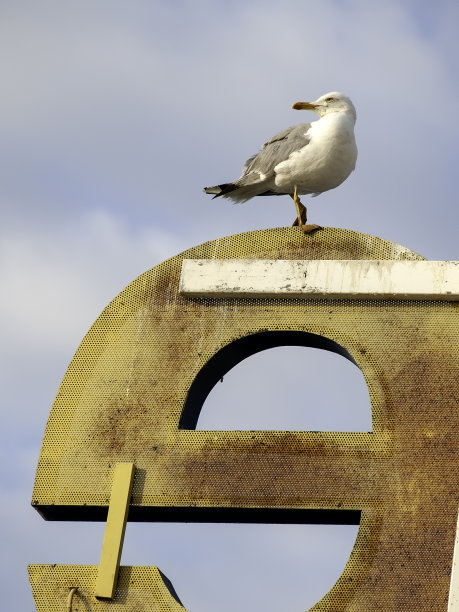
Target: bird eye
x: 329, y: 99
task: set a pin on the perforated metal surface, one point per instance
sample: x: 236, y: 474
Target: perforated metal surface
x: 140, y: 589
x: 126, y: 397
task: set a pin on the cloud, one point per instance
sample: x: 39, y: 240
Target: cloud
x: 60, y: 281
x: 139, y: 110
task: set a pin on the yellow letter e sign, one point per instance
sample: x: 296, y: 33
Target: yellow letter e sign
x: 132, y: 395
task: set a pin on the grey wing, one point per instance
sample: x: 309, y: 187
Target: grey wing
x: 260, y: 167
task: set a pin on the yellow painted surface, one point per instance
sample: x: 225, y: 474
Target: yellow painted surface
x: 114, y: 530
x: 131, y: 394
x: 139, y: 589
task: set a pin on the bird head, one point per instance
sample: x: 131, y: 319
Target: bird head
x: 333, y: 102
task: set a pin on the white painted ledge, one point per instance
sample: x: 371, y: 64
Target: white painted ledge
x: 308, y: 279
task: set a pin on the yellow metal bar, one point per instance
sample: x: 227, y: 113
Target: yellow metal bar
x: 114, y: 531
x: 453, y: 600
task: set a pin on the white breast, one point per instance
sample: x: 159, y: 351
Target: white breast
x: 325, y: 162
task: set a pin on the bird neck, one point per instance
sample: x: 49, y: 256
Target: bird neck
x: 336, y: 115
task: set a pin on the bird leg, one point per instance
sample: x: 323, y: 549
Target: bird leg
x: 300, y: 210
x: 302, y: 216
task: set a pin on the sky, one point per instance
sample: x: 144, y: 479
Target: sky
x: 113, y: 117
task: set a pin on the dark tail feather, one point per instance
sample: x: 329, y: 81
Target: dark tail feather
x: 220, y: 190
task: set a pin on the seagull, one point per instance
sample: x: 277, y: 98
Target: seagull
x: 308, y: 158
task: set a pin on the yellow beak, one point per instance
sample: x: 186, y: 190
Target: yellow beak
x: 304, y: 106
